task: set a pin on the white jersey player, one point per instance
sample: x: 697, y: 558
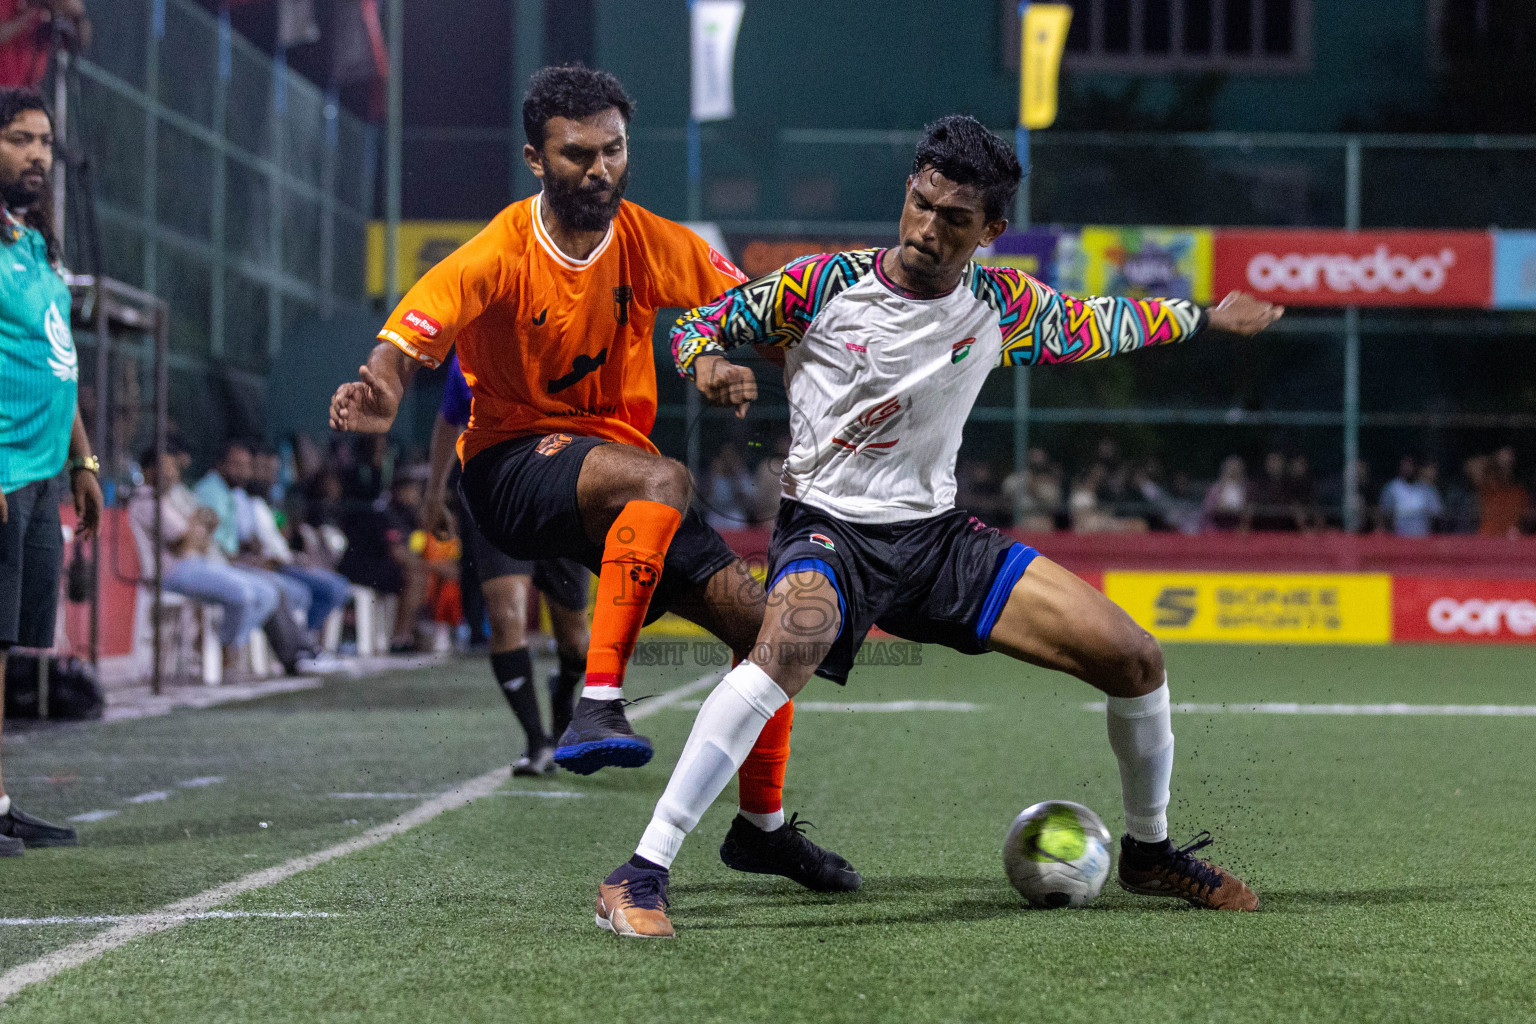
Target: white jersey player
x: 887, y: 350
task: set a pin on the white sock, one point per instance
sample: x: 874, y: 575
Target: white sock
x: 5, y: 806
x: 766, y: 822
x: 602, y: 692
x: 1141, y: 735
x: 723, y: 733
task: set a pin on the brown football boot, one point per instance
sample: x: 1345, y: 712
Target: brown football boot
x: 1162, y: 869
x: 632, y: 902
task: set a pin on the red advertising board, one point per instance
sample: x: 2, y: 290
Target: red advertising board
x: 1429, y: 609
x: 1359, y: 268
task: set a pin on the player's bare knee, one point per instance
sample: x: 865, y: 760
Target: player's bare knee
x: 1141, y: 668
x: 667, y: 482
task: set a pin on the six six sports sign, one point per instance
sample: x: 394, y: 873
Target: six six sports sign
x: 1361, y: 268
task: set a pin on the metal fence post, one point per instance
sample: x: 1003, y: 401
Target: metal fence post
x: 1351, y: 508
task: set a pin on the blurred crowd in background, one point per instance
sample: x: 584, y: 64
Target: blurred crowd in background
x: 289, y: 528
x: 1114, y: 494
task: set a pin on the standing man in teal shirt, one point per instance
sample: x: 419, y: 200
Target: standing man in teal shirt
x: 40, y: 426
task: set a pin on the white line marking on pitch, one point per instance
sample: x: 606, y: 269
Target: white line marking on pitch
x: 201, y: 781
x: 548, y: 794
x: 174, y: 914
x: 152, y: 797
x: 207, y: 915
x: 1453, y: 710
x: 865, y: 706
x: 95, y: 816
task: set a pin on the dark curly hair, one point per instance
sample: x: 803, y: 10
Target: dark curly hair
x: 571, y: 91
x: 14, y: 103
x: 964, y: 151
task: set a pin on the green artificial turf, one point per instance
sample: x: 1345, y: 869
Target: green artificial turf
x: 1391, y: 853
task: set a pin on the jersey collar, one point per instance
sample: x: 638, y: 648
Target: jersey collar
x: 548, y: 244
x: 885, y: 279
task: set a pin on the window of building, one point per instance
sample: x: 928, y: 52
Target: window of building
x: 1182, y: 35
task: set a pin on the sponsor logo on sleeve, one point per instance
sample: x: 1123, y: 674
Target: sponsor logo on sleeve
x: 419, y: 321
x: 823, y: 540
x: 960, y: 349
x: 726, y: 267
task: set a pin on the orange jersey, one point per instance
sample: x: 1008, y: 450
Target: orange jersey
x: 549, y: 344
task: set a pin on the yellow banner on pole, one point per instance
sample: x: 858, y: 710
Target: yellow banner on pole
x: 422, y: 244
x: 1045, y: 37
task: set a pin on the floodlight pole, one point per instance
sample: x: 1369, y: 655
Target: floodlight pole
x: 1351, y: 498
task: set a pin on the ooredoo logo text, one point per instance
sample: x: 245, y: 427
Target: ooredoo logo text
x: 1378, y: 270
x: 1356, y: 268
x: 1482, y: 618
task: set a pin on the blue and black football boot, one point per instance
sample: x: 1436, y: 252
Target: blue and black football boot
x: 599, y: 736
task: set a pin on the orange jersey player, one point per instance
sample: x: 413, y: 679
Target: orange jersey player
x: 551, y: 309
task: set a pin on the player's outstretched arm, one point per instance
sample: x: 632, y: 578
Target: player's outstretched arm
x: 1041, y: 325
x: 368, y: 405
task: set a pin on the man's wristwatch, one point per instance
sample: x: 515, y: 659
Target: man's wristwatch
x: 90, y: 463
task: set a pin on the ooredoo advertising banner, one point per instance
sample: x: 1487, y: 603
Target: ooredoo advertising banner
x: 1428, y: 609
x: 1360, y: 268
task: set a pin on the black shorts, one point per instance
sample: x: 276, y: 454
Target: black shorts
x: 31, y: 559
x: 561, y: 580
x: 521, y: 495
x: 935, y: 581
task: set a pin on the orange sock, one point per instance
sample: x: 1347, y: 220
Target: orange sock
x: 632, y: 559
x: 760, y: 782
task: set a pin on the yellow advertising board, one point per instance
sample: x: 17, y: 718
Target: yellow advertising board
x: 423, y: 243
x: 1288, y: 608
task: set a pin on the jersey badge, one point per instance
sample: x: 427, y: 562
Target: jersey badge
x: 823, y: 540
x: 961, y: 349
x: 622, y: 295
x: 554, y: 443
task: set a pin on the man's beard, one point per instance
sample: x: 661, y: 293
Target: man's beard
x: 18, y: 196
x: 585, y: 209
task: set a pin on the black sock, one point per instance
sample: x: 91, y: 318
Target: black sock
x: 564, y: 685
x: 638, y: 861
x: 514, y: 673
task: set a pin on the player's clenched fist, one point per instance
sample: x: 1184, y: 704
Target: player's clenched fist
x: 1241, y: 313
x: 364, y: 406
x: 722, y: 382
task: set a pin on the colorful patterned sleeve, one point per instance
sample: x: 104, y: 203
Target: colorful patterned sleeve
x: 1040, y: 325
x: 772, y: 310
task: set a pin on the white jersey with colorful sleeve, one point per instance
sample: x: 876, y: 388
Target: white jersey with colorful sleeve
x: 880, y: 381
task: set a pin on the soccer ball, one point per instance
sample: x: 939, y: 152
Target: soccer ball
x: 1057, y: 854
